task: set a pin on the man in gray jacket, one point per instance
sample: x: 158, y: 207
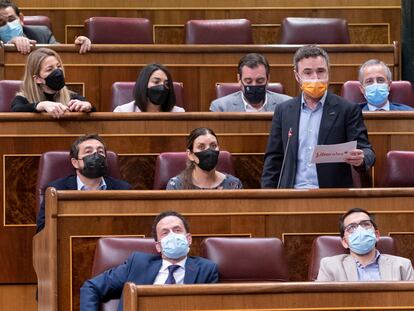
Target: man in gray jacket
x: 253, y: 76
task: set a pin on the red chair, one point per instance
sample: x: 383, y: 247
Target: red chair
x: 8, y: 90
x: 401, y: 92
x: 218, y: 31
x: 297, y: 30
x: 119, y: 30
x: 57, y: 164
x: 170, y: 164
x: 398, y: 170
x: 327, y: 246
x: 223, y: 89
x: 247, y: 259
x: 123, y: 92
x: 37, y: 20
x: 111, y: 252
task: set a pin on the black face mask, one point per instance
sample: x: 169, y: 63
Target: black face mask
x: 208, y: 159
x: 94, y: 166
x: 55, y: 80
x: 158, y: 95
x: 255, y: 93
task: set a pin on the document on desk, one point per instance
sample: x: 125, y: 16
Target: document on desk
x: 332, y: 153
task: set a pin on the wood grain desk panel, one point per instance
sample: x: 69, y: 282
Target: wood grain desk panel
x: 271, y: 296
x: 198, y: 67
x: 292, y: 215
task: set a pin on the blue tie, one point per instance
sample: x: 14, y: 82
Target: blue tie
x: 171, y: 270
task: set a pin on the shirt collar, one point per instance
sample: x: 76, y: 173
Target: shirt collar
x: 321, y: 101
x: 81, y: 185
x: 374, y: 261
x: 247, y: 106
x: 386, y: 107
x: 166, y: 264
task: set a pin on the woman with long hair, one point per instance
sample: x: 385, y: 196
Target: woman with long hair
x: 202, y: 157
x: 43, y: 88
x: 153, y: 92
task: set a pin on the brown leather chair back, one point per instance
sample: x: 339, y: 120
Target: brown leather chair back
x: 398, y: 169
x: 401, y: 92
x: 37, y: 20
x: 123, y: 92
x: 8, y: 90
x: 297, y: 30
x: 223, y: 89
x: 170, y: 164
x: 247, y: 259
x: 119, y: 30
x: 218, y: 31
x: 57, y: 164
x: 111, y: 252
x: 327, y: 246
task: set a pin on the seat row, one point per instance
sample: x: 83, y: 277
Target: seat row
x: 122, y: 92
x: 294, y: 30
x: 238, y: 259
x: 399, y: 171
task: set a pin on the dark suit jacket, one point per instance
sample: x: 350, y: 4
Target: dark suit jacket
x: 42, y: 34
x: 393, y: 107
x: 70, y: 183
x: 140, y: 268
x: 341, y: 122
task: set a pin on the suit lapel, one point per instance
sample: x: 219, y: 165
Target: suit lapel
x: 152, y: 271
x: 385, y: 267
x: 350, y: 269
x: 71, y: 183
x: 329, y: 116
x: 292, y: 121
x: 238, y: 105
x: 191, y: 271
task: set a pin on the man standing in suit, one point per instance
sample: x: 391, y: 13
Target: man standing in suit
x: 88, y: 157
x: 172, y: 266
x: 375, y: 78
x: 253, y: 76
x: 359, y: 234
x: 316, y: 117
x: 13, y: 30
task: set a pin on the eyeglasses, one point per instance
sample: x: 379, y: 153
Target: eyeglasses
x: 365, y: 224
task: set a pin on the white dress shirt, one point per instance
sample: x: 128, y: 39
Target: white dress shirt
x: 163, y: 273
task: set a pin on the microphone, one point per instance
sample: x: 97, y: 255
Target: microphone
x: 290, y: 134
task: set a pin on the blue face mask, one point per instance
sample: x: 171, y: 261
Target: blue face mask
x: 377, y: 93
x: 174, y: 245
x: 11, y: 30
x: 362, y: 241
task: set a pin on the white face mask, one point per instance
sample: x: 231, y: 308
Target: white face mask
x: 11, y: 30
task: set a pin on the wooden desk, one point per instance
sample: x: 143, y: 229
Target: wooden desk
x: 271, y: 296
x: 138, y: 139
x: 198, y: 67
x: 63, y: 251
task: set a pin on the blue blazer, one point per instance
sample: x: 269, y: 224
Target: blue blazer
x: 70, y: 183
x: 140, y: 268
x: 393, y: 107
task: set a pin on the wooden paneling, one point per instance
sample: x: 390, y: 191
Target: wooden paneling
x: 170, y: 14
x: 271, y: 296
x: 74, y: 217
x: 197, y: 67
x: 18, y: 297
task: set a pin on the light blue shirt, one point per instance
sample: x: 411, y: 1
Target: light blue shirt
x: 81, y: 185
x: 371, y: 271
x: 309, y: 122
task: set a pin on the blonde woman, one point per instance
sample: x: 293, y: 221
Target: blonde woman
x: 43, y: 88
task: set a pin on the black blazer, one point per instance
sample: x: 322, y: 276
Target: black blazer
x: 341, y: 122
x: 70, y: 183
x: 42, y: 34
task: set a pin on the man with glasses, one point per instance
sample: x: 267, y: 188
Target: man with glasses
x: 359, y: 234
x: 315, y: 117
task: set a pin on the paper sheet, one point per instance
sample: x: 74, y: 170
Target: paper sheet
x: 332, y: 153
